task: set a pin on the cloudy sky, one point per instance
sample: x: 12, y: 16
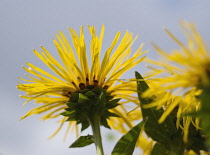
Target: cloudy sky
x: 25, y: 25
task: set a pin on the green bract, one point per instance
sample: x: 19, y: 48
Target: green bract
x: 88, y: 103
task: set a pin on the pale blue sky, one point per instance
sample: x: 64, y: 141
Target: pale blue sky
x: 25, y: 25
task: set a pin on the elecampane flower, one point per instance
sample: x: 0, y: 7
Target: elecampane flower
x: 180, y: 74
x: 51, y: 92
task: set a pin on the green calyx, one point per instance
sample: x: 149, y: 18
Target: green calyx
x: 90, y: 103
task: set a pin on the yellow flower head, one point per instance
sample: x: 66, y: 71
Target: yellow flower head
x: 179, y: 75
x: 77, y: 72
x: 186, y: 67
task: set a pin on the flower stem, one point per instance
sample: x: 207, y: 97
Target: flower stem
x: 95, y: 124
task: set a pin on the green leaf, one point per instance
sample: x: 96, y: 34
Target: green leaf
x: 100, y: 104
x: 159, y: 132
x: 73, y: 118
x: 90, y: 94
x: 67, y: 113
x: 196, y: 141
x: 85, y: 125
x: 127, y: 143
x: 70, y: 114
x: 104, y: 122
x: 82, y: 98
x: 71, y: 104
x: 82, y: 141
x: 112, y: 104
x: 204, y: 113
x: 159, y: 149
x: 110, y: 114
x: 75, y: 96
x: 96, y: 90
x: 109, y: 97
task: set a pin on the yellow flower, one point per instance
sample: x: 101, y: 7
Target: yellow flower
x: 51, y: 91
x: 188, y: 66
x: 179, y: 75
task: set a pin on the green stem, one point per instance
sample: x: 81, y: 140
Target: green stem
x: 95, y: 124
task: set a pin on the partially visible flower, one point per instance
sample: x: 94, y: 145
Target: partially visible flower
x: 51, y: 92
x: 186, y: 67
x: 179, y: 76
x: 175, y: 104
